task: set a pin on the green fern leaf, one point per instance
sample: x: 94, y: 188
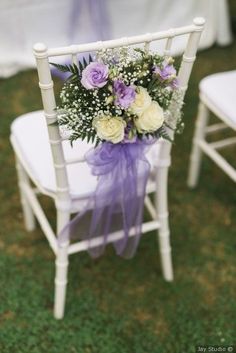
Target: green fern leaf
x: 62, y: 68
x: 81, y: 66
x: 73, y: 78
x: 162, y: 133
x: 85, y: 62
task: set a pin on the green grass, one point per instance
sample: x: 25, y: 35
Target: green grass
x: 114, y: 305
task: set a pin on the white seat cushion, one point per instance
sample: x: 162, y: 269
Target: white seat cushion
x: 31, y: 143
x: 220, y: 91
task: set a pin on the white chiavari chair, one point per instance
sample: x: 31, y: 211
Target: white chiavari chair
x: 218, y: 96
x: 59, y: 171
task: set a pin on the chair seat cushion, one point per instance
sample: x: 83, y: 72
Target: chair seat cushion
x: 219, y: 90
x: 30, y: 141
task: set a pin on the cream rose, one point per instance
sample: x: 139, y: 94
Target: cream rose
x: 151, y: 119
x: 142, y: 101
x: 110, y: 128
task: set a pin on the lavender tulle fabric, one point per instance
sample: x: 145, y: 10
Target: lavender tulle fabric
x: 98, y: 17
x: 99, y: 23
x: 117, y: 203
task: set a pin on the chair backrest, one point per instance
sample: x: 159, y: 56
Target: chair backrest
x: 42, y: 55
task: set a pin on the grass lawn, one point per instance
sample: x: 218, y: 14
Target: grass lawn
x: 114, y: 305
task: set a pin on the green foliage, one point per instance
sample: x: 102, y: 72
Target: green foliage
x: 66, y: 68
x: 164, y: 134
x: 73, y: 69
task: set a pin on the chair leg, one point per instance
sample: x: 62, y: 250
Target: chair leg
x: 61, y: 281
x: 196, y: 154
x: 163, y: 217
x: 28, y: 214
x: 62, y: 263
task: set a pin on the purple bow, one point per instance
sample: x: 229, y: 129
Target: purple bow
x: 117, y: 203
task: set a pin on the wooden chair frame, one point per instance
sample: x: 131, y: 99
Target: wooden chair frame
x: 63, y: 202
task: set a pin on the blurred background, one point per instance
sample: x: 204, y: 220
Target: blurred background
x: 60, y: 22
x: 117, y: 306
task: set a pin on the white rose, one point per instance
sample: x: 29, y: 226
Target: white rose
x: 110, y: 128
x: 142, y: 101
x: 151, y: 119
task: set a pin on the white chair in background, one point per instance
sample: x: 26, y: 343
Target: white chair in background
x: 59, y: 171
x: 217, y: 95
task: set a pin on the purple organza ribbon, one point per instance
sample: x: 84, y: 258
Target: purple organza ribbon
x: 117, y: 203
x: 98, y: 15
x: 99, y: 21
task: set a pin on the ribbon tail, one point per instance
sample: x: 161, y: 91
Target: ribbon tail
x: 117, y: 204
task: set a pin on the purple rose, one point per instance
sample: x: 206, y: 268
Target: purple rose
x: 95, y: 75
x: 124, y: 95
x: 174, y: 83
x: 168, y: 72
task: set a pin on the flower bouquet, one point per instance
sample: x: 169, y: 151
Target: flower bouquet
x: 119, y: 96
x: 120, y: 101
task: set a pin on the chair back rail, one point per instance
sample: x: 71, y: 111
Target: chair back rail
x: 42, y: 55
